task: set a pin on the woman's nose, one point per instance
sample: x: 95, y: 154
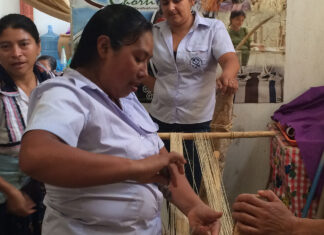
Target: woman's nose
x: 143, y: 73
x: 16, y: 51
x: 171, y: 6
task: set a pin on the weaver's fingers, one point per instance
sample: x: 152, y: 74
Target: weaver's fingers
x: 268, y: 195
x: 160, y: 179
x: 247, y: 208
x: 215, y: 230
x: 178, y: 160
x: 245, y: 218
x: 247, y: 229
x: 253, y: 199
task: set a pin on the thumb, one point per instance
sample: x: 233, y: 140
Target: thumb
x: 218, y: 214
x: 219, y: 84
x: 176, y: 158
x: 269, y: 195
x: 213, y: 215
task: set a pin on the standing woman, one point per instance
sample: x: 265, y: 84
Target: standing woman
x: 95, y: 146
x: 237, y: 33
x: 187, y: 49
x: 21, y: 208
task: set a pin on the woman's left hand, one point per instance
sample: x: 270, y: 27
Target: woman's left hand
x: 203, y: 220
x: 227, y: 84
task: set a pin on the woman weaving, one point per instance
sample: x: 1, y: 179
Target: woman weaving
x: 95, y: 146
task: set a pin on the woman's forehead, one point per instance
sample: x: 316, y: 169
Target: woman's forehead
x: 14, y: 34
x: 144, y: 43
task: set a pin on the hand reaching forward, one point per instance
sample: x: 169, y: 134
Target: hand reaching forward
x: 256, y: 216
x: 204, y: 221
x: 157, y: 168
x: 19, y: 203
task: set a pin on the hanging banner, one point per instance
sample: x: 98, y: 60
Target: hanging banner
x: 83, y: 10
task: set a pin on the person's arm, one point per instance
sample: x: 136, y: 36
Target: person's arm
x: 308, y: 226
x: 149, y: 82
x: 227, y: 82
x: 46, y: 158
x: 270, y: 216
x: 201, y: 217
x: 17, y: 202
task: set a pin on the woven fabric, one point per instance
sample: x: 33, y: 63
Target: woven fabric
x: 260, y: 85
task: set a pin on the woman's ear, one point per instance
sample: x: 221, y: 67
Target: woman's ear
x: 103, y: 46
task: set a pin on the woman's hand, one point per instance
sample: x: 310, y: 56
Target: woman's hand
x: 204, y: 220
x: 19, y: 203
x: 227, y: 84
x: 160, y: 168
x: 257, y: 216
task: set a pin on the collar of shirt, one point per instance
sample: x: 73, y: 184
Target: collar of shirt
x: 129, y: 111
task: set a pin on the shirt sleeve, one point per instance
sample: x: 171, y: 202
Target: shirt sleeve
x: 160, y: 143
x: 58, y: 110
x: 222, y: 42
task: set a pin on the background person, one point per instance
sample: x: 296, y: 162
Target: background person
x: 21, y: 208
x: 187, y: 50
x: 237, y: 33
x: 49, y: 62
x: 96, y: 147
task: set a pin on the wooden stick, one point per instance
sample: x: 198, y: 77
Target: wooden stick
x: 218, y: 135
x: 238, y: 47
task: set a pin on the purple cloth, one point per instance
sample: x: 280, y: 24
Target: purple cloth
x: 306, y: 115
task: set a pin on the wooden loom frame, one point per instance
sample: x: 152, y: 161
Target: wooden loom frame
x: 220, y: 134
x: 176, y: 220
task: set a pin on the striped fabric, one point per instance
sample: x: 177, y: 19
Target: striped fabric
x: 12, y: 122
x: 260, y: 85
x: 15, y: 124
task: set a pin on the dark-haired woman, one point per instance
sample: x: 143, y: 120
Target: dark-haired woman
x: 96, y: 147
x: 237, y: 33
x: 21, y: 208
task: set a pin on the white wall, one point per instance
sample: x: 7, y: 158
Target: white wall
x: 305, y: 47
x: 247, y: 166
x: 9, y: 6
x: 42, y: 20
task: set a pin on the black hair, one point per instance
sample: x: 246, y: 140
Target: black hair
x: 17, y: 21
x: 51, y: 60
x: 122, y: 24
x: 236, y: 14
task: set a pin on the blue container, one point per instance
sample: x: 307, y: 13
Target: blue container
x: 49, y: 43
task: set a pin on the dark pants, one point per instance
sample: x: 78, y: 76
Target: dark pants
x: 192, y: 168
x: 30, y: 225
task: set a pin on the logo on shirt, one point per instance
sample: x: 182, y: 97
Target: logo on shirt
x: 195, y: 62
